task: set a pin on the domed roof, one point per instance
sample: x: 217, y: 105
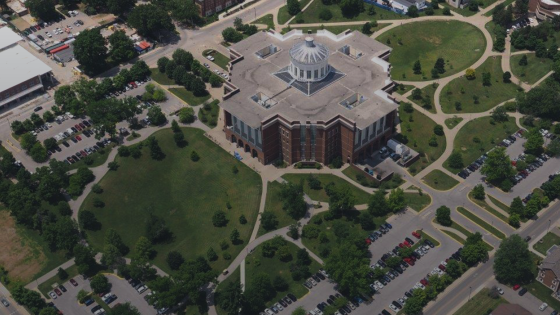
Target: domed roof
x: 309, y: 52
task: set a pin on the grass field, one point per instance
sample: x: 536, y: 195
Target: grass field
x: 274, y: 205
x: 484, y: 205
x: 453, y: 122
x: 464, y: 91
x: 161, y: 78
x: 535, y: 69
x: 460, y: 44
x: 219, y: 59
x: 337, y: 29
x: 361, y: 196
x: 481, y: 303
x: 98, y: 158
x: 549, y: 240
x: 284, y: 16
x: 256, y: 264
x: 428, y: 93
x: 46, y: 286
x: 188, y: 97
x: 353, y: 174
x: 416, y: 131
x: 208, y: 114
x: 311, y: 14
x: 402, y: 89
x: 483, y: 224
x: 439, y: 180
x: 268, y: 20
x: 417, y: 202
x: 478, y: 136
x: 184, y: 193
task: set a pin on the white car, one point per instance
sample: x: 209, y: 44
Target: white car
x: 543, y: 307
x: 278, y: 306
x: 378, y: 284
x: 500, y: 291
x: 443, y: 262
x: 142, y: 289
x: 318, y: 311
x: 53, y: 295
x: 312, y: 281
x: 393, y: 307
x: 48, y: 34
x: 268, y: 312
x: 438, y: 271
x: 351, y: 305
x: 419, y: 285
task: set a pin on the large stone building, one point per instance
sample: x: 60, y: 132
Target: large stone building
x: 297, y: 97
x: 545, y: 9
x: 209, y: 7
x: 21, y: 73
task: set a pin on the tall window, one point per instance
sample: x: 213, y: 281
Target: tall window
x: 309, y: 74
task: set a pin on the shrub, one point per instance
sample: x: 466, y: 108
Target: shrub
x: 325, y: 14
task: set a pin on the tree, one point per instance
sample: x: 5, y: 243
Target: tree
x: 506, y: 77
x: 470, y: 74
x: 150, y: 19
x: 478, y: 192
x: 198, y: 87
x: 412, y: 11
x: 292, y: 200
x: 157, y: 230
x: 342, y: 200
x: 62, y: 274
x: 174, y: 260
x: 440, y: 65
x: 514, y: 220
x: 119, y: 7
x: 269, y: 221
x: 42, y: 9
x: 143, y: 249
x: 124, y: 309
x: 417, y: 68
x: 521, y: 7
x: 48, y: 311
x: 186, y: 115
x: 513, y: 263
x: 446, y: 11
x: 88, y: 221
x: 140, y: 70
x: 162, y: 64
x: 396, y: 200
x: 122, y: 47
x: 443, y: 216
x: 90, y: 50
x: 499, y: 114
x: 293, y: 7
x: 454, y: 269
x: 64, y: 96
x: 414, y: 305
x: 417, y: 94
x: 113, y: 238
x: 351, y: 8
x: 497, y: 166
x: 156, y: 116
x: 38, y: 153
x: 456, y: 160
x: 231, y: 35
x: 219, y: 219
x: 231, y: 297
x: 535, y: 142
x: 474, y: 253
x: 234, y: 236
x: 194, y: 156
x: 99, y: 284
x: 377, y: 205
x: 326, y: 15
x: 238, y: 24
x: 111, y: 256
x: 486, y: 79
x: 185, y: 12
x: 348, y: 266
x: 438, y: 130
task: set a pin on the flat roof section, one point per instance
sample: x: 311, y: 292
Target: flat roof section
x: 8, y: 37
x: 17, y: 65
x: 365, y: 76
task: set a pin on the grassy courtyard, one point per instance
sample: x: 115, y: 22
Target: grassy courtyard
x: 535, y: 69
x: 478, y: 136
x: 545, y: 243
x: 439, y: 180
x: 460, y: 44
x: 403, y: 89
x: 472, y: 95
x: 209, y: 113
x: 360, y: 177
x: 97, y: 158
x: 311, y: 14
x: 427, y: 100
x: 416, y: 201
x: 416, y: 131
x: 481, y: 303
x: 219, y: 59
x: 361, y: 196
x: 267, y: 20
x: 274, y: 205
x: 188, y: 96
x: 184, y: 193
x: 284, y: 16
x: 161, y: 78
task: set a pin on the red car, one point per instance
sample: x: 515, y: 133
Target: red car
x: 83, y: 153
x: 57, y: 291
x: 73, y: 282
x: 78, y: 127
x: 441, y: 267
x: 416, y: 234
x: 368, y: 241
x: 401, y: 245
x: 79, y: 138
x: 133, y: 84
x: 407, y: 244
x: 424, y: 282
x: 516, y: 287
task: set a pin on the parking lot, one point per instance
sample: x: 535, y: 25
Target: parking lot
x: 68, y: 303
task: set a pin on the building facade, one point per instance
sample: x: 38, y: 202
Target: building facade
x: 209, y: 7
x: 544, y: 9
x: 549, y: 272
x: 294, y: 99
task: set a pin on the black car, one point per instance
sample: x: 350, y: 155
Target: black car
x: 385, y: 312
x: 381, y: 263
x: 287, y: 300
x: 62, y: 288
x: 342, y: 311
x: 408, y: 294
x: 74, y: 129
x: 347, y: 309
x: 429, y: 243
x: 320, y: 275
x: 408, y: 239
x: 522, y: 291
x: 332, y: 297
x: 320, y: 306
x: 316, y: 278
x: 96, y: 308
x: 399, y: 269
x: 88, y: 302
x: 58, y: 149
x: 38, y: 108
x: 330, y: 302
x: 134, y: 282
x: 284, y: 304
x: 397, y: 304
x: 75, y: 158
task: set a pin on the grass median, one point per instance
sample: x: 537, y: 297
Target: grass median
x: 481, y: 303
x: 483, y: 224
x: 439, y: 180
x: 484, y: 205
x: 416, y: 201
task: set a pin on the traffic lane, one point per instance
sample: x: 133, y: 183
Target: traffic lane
x: 458, y: 292
x: 68, y: 302
x: 126, y: 293
x: 10, y: 310
x: 319, y: 293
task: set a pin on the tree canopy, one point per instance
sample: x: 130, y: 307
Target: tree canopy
x: 513, y: 263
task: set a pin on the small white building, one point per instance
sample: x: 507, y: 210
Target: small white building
x: 405, y: 4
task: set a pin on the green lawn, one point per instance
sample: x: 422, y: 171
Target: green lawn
x: 337, y: 29
x: 535, y: 69
x: 498, y: 203
x: 548, y: 241
x: 188, y: 97
x: 427, y: 100
x: 484, y: 205
x: 416, y: 201
x: 460, y: 44
x: 439, y: 180
x: 274, y: 205
x: 402, y: 89
x: 209, y: 113
x: 478, y: 136
x: 361, y: 196
x: 453, y: 122
x: 256, y: 264
x: 464, y: 91
x: 284, y: 16
x: 184, y: 193
x: 268, y: 20
x: 326, y: 227
x: 98, y: 158
x: 428, y: 237
x: 354, y: 174
x: 161, y: 78
x: 483, y: 224
x: 506, y: 3
x: 311, y: 14
x: 416, y: 131
x: 47, y: 286
x: 455, y: 237
x: 465, y: 232
x: 219, y: 59
x: 481, y: 303
x: 543, y: 293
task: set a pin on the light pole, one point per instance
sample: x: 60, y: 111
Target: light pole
x: 548, y: 226
x: 470, y: 290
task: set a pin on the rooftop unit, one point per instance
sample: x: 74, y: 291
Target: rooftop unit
x: 263, y: 100
x: 353, y: 100
x: 350, y: 51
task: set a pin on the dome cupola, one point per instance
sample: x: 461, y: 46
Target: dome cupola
x: 309, y: 61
